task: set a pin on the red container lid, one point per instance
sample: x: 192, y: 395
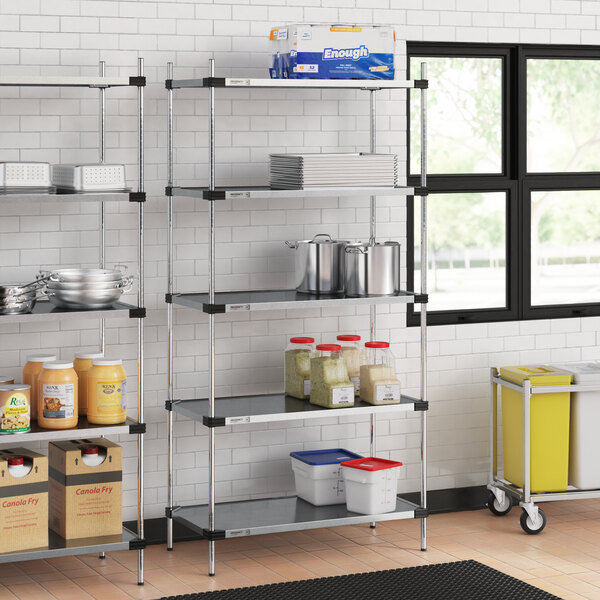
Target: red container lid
x: 329, y: 347
x: 302, y: 340
x: 377, y: 345
x: 371, y: 464
x: 90, y: 449
x: 348, y: 338
x: 15, y: 461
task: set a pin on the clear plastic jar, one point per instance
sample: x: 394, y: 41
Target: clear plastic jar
x: 330, y: 385
x: 57, y: 398
x: 354, y: 356
x: 297, y: 366
x: 82, y: 364
x: 107, y: 392
x: 31, y: 374
x: 378, y: 381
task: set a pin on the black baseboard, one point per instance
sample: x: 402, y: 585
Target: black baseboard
x: 439, y: 501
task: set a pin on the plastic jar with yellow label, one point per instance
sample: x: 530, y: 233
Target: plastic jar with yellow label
x: 31, y: 374
x: 82, y: 364
x: 107, y: 398
x: 57, y: 396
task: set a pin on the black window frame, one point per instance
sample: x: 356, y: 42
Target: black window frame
x: 513, y: 179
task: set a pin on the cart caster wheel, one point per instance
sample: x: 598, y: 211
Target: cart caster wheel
x: 529, y: 526
x: 497, y: 508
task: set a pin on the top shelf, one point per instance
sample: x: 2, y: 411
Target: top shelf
x: 353, y: 84
x: 88, y: 82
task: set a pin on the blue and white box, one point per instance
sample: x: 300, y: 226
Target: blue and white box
x: 312, y: 51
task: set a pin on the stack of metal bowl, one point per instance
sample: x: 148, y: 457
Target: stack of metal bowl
x: 18, y: 298
x: 86, y: 289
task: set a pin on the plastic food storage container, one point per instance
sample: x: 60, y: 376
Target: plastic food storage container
x: 549, y: 429
x: 297, y: 366
x: 330, y: 385
x: 107, y: 392
x: 379, y: 384
x: 354, y: 356
x: 82, y: 364
x: 371, y: 485
x: 57, y: 398
x: 318, y: 475
x: 31, y: 374
x: 584, y: 450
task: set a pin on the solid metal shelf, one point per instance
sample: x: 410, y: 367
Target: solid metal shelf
x: 45, y: 311
x: 250, y: 192
x: 276, y: 515
x: 83, y: 430
x: 226, y: 302
x: 241, y: 82
x: 70, y: 197
x: 57, y: 546
x: 267, y: 408
x: 86, y: 82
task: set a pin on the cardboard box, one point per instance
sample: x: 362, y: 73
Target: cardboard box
x: 23, y: 503
x: 85, y: 501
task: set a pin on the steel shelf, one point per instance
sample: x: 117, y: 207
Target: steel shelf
x: 57, y: 546
x: 44, y: 81
x: 250, y: 192
x: 266, y: 408
x: 276, y: 515
x: 83, y: 430
x: 242, y: 82
x: 76, y: 196
x: 226, y: 302
x: 44, y: 311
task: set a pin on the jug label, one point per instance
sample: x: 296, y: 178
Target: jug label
x: 58, y: 401
x: 356, y: 382
x: 111, y: 397
x: 387, y: 393
x: 343, y: 395
x: 307, y: 387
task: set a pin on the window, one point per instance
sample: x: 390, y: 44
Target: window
x: 513, y: 180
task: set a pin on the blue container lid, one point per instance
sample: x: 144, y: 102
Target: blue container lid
x: 325, y: 457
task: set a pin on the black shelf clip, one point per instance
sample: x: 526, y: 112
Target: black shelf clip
x: 170, y: 511
x: 137, y: 196
x: 213, y: 309
x: 213, y: 195
x: 213, y: 535
x: 421, y: 405
x: 421, y: 84
x: 421, y: 513
x: 213, y: 81
x: 137, y: 544
x: 169, y: 298
x: 169, y: 84
x: 169, y: 190
x: 421, y: 298
x: 137, y: 81
x: 137, y: 428
x: 421, y: 191
x: 137, y: 313
x: 213, y: 421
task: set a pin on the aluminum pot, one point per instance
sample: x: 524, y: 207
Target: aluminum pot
x: 373, y: 269
x: 123, y: 284
x: 84, y: 299
x: 85, y: 275
x: 17, y: 307
x: 319, y: 264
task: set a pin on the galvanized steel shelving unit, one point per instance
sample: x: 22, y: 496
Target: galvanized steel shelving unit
x: 44, y: 311
x: 252, y: 517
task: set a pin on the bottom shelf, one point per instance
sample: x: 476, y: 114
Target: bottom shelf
x: 276, y: 515
x: 57, y: 546
x: 571, y: 493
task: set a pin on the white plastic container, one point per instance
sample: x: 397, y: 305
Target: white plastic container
x: 584, y: 449
x: 17, y: 467
x: 93, y: 456
x: 371, y: 485
x: 319, y: 477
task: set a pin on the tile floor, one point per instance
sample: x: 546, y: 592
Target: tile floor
x: 564, y: 559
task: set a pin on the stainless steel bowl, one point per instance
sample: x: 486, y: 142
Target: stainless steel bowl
x: 84, y: 299
x: 86, y: 275
x: 123, y: 284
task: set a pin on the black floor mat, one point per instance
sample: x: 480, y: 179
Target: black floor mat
x: 463, y: 580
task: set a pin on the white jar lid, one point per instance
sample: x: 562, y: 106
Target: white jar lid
x: 86, y: 355
x: 106, y: 362
x: 59, y: 364
x: 41, y: 358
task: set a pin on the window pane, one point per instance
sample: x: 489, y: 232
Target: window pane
x: 563, y: 121
x: 565, y: 247
x: 464, y: 115
x: 466, y: 242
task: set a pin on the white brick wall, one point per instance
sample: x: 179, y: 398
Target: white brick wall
x: 70, y: 37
